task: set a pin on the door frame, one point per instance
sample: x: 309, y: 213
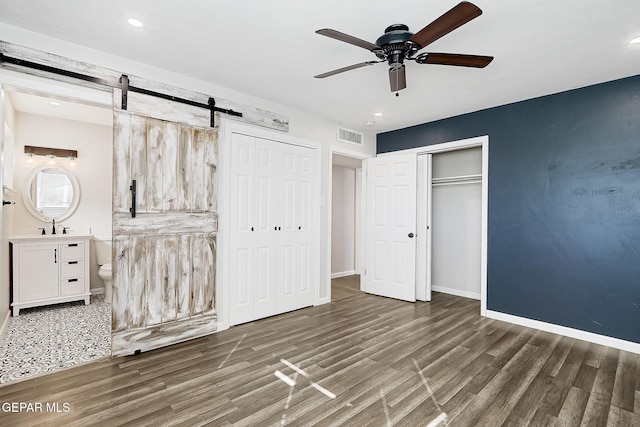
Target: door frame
x: 363, y: 203
x: 483, y: 142
x: 228, y: 127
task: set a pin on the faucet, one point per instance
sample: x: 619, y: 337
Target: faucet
x: 53, y: 229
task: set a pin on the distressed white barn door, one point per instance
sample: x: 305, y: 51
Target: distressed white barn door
x: 164, y: 258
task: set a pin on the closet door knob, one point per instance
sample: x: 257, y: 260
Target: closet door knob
x: 251, y: 228
x: 299, y: 227
x: 411, y: 235
x: 279, y: 228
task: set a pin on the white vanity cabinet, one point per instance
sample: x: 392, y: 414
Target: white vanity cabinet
x: 49, y: 270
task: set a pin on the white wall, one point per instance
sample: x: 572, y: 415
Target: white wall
x: 301, y: 124
x: 7, y: 115
x: 93, y: 171
x: 343, y: 217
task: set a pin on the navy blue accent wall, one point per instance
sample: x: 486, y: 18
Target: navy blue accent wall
x: 564, y: 204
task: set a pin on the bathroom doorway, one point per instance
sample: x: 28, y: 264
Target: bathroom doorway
x: 42, y: 113
x: 346, y: 219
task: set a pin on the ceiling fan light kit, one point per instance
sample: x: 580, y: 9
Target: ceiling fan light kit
x: 398, y: 45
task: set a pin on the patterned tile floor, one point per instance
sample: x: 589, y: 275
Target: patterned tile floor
x: 49, y: 338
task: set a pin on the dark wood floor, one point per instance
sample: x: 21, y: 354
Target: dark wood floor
x: 344, y: 287
x: 387, y: 362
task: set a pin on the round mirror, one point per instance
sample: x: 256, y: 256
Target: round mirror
x: 51, y: 192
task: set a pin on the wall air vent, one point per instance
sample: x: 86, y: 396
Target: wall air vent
x: 352, y: 137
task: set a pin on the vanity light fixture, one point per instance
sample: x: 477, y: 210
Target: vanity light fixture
x: 72, y: 161
x: 51, y: 153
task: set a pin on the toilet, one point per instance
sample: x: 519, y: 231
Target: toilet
x: 103, y: 257
x: 105, y: 275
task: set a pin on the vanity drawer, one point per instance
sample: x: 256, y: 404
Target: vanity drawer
x: 71, y: 269
x: 72, y: 252
x: 70, y: 287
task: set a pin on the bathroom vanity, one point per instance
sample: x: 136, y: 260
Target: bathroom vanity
x: 49, y: 270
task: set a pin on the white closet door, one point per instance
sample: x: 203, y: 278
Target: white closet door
x: 295, y: 235
x: 391, y: 227
x: 268, y: 201
x: 241, y: 225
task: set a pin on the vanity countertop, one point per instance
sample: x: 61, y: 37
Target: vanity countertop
x: 49, y: 237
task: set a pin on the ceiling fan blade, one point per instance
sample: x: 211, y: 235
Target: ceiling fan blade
x: 397, y: 78
x: 347, y: 38
x: 343, y: 69
x: 476, y: 61
x: 454, y: 18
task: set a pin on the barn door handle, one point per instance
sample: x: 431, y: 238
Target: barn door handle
x: 132, y: 187
x: 55, y: 256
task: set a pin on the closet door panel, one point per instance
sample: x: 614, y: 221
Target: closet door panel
x: 266, y: 236
x: 242, y: 221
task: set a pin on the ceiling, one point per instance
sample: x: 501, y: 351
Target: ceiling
x: 47, y: 105
x: 269, y: 49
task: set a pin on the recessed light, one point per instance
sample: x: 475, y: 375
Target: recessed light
x: 56, y: 103
x: 635, y: 41
x: 134, y: 22
x: 377, y: 114
x: 369, y: 123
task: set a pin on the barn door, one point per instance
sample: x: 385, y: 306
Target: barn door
x: 164, y: 257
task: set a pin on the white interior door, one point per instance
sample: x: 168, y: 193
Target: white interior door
x: 295, y: 232
x: 391, y: 227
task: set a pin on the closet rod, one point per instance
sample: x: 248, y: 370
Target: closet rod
x: 442, y: 184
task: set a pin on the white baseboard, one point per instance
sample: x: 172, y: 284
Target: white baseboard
x: 5, y: 325
x: 97, y: 291
x: 567, y: 332
x: 343, y: 274
x: 456, y: 292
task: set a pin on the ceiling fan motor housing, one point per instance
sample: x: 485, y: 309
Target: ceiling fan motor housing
x: 395, y: 45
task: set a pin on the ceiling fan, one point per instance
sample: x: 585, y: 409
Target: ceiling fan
x: 398, y: 44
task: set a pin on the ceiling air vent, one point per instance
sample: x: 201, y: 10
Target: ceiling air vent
x: 346, y: 135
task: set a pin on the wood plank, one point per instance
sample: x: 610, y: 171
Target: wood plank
x: 185, y: 147
x: 138, y: 160
x: 183, y: 289
x: 165, y: 223
x: 152, y: 337
x: 211, y: 175
x: 120, y: 286
x: 154, y: 287
x: 198, y: 273
x: 137, y: 276
x: 170, y: 168
x: 210, y: 260
x: 155, y: 138
x: 197, y: 171
x: 121, y: 162
x: 170, y: 278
